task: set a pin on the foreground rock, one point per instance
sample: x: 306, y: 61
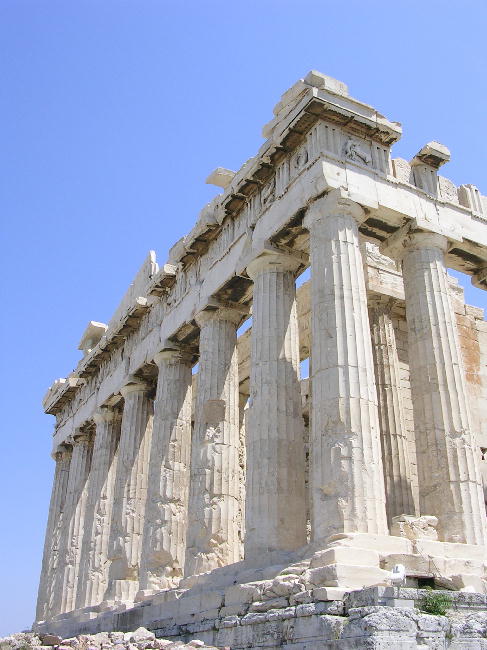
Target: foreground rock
x: 140, y: 639
x: 376, y: 627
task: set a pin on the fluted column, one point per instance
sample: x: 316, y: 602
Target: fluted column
x: 242, y: 462
x: 345, y: 457
x: 214, y: 491
x: 275, y: 486
x: 93, y: 574
x: 395, y: 452
x: 130, y: 494
x: 450, y: 485
x: 166, y: 519
x: 64, y: 598
x: 53, y: 529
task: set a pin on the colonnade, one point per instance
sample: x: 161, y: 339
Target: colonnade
x: 146, y: 500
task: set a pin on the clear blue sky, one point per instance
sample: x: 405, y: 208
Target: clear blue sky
x: 112, y: 115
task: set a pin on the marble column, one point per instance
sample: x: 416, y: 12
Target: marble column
x: 166, y: 519
x: 450, y: 485
x: 275, y: 486
x: 242, y: 462
x: 213, y: 532
x: 64, y: 598
x: 130, y: 492
x: 94, y: 560
x: 53, y: 529
x: 394, y: 443
x: 347, y: 485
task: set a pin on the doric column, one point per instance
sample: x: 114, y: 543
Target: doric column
x: 242, y: 462
x: 345, y: 457
x: 53, y: 529
x: 213, y: 535
x: 275, y: 486
x: 130, y: 494
x: 93, y: 575
x: 64, y: 598
x: 450, y: 485
x: 395, y: 452
x: 164, y: 543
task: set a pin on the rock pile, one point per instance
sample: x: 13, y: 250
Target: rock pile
x: 141, y: 639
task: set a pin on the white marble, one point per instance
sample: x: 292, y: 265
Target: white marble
x: 450, y: 484
x: 213, y: 532
x: 166, y: 518
x: 394, y: 442
x: 70, y: 542
x: 50, y: 560
x: 93, y: 574
x: 347, y: 487
x: 322, y: 188
x: 275, y: 485
x: 130, y: 492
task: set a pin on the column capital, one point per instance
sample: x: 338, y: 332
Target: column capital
x: 62, y: 452
x: 104, y: 414
x: 80, y: 437
x: 224, y: 313
x: 273, y: 260
x: 171, y: 351
x: 410, y: 237
x: 335, y: 203
x: 133, y: 385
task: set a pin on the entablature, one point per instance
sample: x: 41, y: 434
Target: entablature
x: 319, y: 139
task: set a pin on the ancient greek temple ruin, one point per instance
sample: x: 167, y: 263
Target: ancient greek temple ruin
x: 199, y: 480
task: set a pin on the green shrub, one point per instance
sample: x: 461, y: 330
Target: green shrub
x: 435, y: 603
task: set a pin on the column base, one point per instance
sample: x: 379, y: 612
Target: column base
x: 123, y: 590
x: 354, y: 560
x: 350, y: 570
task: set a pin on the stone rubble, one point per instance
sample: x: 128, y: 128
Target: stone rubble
x: 140, y: 639
x: 368, y: 626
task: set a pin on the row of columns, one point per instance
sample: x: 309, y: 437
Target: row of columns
x: 146, y: 524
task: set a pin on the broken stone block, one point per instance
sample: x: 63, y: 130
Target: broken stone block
x: 415, y: 527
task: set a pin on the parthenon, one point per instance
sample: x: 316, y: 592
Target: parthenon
x: 197, y: 475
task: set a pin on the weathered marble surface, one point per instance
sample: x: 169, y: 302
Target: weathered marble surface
x: 130, y: 492
x: 307, y: 480
x: 275, y: 483
x: 213, y: 514
x: 166, y: 516
x: 347, y: 487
